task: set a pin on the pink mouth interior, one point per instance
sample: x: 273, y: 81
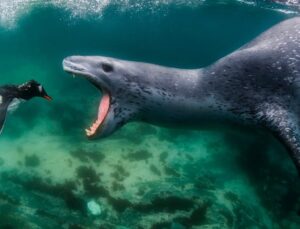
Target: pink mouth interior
x: 102, y: 113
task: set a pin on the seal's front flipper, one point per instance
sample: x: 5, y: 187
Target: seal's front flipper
x: 286, y: 127
x: 3, y: 110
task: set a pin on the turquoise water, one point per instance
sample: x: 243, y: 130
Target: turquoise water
x: 142, y: 176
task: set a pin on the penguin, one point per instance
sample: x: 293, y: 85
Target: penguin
x: 11, y: 95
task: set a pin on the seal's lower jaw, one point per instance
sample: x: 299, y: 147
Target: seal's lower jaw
x: 97, y: 127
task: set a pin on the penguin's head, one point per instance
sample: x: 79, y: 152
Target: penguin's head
x: 32, y: 89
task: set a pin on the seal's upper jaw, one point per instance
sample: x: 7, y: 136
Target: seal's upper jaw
x: 95, y: 71
x: 76, y: 68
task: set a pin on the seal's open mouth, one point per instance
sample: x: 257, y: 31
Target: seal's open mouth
x: 102, y: 114
x: 105, y: 100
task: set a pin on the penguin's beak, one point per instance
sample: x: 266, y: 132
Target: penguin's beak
x: 47, y: 97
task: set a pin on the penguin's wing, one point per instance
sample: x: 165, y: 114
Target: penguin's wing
x: 4, y: 103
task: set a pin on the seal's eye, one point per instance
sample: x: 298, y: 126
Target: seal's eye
x: 107, y: 67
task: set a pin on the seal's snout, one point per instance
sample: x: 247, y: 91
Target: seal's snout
x: 68, y: 61
x: 73, y: 65
x: 72, y: 59
x: 67, y: 64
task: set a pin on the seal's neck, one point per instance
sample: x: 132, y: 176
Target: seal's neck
x: 180, y: 96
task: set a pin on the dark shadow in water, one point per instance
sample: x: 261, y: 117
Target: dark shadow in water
x: 269, y: 169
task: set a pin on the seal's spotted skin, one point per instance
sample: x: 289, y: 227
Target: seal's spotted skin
x: 258, y: 84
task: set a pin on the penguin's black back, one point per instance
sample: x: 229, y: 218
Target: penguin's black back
x: 9, y: 92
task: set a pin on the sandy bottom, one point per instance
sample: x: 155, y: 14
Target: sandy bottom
x: 146, y: 177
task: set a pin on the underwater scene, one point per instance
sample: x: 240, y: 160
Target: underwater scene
x: 142, y: 175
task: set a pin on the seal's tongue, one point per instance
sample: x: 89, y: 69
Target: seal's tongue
x: 102, y: 113
x: 103, y: 107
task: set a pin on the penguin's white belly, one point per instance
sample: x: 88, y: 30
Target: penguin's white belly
x: 14, y: 104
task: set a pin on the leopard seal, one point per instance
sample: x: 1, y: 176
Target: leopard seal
x: 256, y: 85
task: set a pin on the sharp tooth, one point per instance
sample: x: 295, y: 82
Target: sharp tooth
x: 74, y: 75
